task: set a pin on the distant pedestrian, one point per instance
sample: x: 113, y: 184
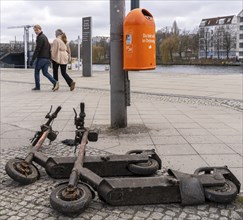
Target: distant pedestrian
x: 60, y: 54
x: 42, y: 54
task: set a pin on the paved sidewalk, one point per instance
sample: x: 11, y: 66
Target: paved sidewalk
x: 190, y: 120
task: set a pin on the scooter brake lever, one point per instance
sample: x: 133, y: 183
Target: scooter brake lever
x: 48, y: 114
x: 75, y: 113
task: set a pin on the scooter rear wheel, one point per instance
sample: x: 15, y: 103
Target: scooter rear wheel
x: 69, y: 203
x: 222, y: 194
x: 144, y: 169
x: 21, y: 171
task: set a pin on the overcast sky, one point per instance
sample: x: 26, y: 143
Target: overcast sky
x: 67, y: 15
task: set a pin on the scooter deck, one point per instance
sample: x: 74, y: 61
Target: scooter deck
x: 104, y: 166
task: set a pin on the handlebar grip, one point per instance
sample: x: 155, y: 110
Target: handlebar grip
x: 57, y: 110
x: 82, y: 107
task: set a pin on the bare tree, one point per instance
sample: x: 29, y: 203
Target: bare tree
x: 194, y: 42
x: 159, y: 38
x: 183, y: 43
x: 204, y: 41
x: 229, y: 41
x: 217, y: 40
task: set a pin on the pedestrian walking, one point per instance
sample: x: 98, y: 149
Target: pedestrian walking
x: 60, y: 54
x: 42, y: 54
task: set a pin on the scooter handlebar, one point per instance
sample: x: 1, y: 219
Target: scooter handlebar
x: 54, y: 115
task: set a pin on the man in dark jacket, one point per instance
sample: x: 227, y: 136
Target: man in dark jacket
x: 42, y: 55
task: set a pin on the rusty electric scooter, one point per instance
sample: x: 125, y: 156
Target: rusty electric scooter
x: 215, y: 184
x: 139, y: 162
x: 23, y: 170
x: 136, y: 162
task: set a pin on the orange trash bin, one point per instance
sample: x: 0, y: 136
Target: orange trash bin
x: 139, y: 45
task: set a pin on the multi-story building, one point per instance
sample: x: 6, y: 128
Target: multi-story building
x: 217, y: 37
x: 239, y: 44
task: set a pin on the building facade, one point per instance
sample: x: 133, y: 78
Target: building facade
x: 218, y: 37
x: 239, y: 45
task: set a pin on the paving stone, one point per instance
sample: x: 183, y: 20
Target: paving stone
x: 214, y: 216
x: 182, y: 215
x: 112, y: 217
x: 42, y: 215
x: 235, y: 215
x: 33, y: 212
x: 166, y: 217
x: 14, y: 217
x: 138, y: 218
x: 224, y: 212
x: 193, y: 217
x: 22, y: 214
x: 223, y: 218
x: 97, y: 217
x: 143, y: 214
x: 156, y: 215
x: 126, y: 216
x: 203, y: 213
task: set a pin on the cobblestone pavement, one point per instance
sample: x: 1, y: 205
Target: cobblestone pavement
x: 229, y: 103
x: 31, y: 202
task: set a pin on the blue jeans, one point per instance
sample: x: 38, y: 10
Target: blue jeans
x: 42, y: 64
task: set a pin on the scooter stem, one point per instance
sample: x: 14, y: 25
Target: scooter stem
x: 41, y: 140
x: 75, y: 175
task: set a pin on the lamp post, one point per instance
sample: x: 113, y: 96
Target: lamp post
x: 134, y: 4
x: 119, y: 82
x: 117, y: 75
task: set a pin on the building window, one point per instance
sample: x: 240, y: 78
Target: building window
x: 228, y: 20
x: 241, y: 36
x: 241, y: 19
x: 241, y: 45
x: 202, y: 23
x: 241, y: 27
x: 221, y: 21
x: 241, y: 54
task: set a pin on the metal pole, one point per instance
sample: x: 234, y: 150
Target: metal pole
x: 25, y: 48
x: 117, y: 74
x: 78, y: 52
x: 134, y: 4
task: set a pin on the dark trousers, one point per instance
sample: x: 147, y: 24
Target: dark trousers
x: 63, y: 72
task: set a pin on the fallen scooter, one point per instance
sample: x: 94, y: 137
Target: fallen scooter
x: 23, y: 170
x: 136, y: 162
x: 215, y: 184
x: 75, y: 196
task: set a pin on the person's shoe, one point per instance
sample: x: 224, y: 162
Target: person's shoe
x: 72, y: 86
x: 56, y: 87
x: 35, y: 89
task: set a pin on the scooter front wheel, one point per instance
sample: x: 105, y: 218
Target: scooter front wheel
x: 21, y: 171
x: 222, y: 194
x: 70, y: 200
